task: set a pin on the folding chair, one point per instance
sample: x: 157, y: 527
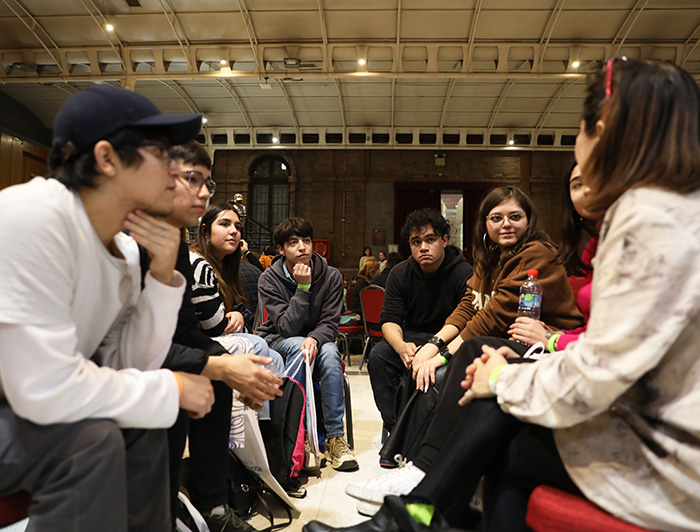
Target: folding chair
x: 552, y: 510
x: 347, y: 332
x: 372, y: 300
x: 14, y: 508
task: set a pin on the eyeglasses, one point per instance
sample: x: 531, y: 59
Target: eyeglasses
x: 196, y: 180
x: 156, y: 148
x: 513, y: 217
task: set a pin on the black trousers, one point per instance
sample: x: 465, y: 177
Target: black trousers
x: 208, y: 447
x: 386, y: 371
x: 478, y: 440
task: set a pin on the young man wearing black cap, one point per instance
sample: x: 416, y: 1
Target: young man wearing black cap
x: 80, y: 341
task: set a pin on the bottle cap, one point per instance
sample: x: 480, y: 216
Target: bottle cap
x: 534, y: 273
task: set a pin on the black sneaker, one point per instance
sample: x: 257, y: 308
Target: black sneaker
x: 227, y: 522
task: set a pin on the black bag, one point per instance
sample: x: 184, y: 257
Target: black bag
x: 248, y: 493
x: 284, y: 435
x: 413, y: 421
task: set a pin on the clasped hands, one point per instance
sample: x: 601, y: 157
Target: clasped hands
x: 476, y: 380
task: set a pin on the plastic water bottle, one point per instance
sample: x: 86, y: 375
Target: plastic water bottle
x: 530, y: 296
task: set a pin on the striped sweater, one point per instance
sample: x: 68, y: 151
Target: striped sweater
x: 208, y: 300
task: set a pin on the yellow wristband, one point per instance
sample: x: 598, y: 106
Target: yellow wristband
x: 179, y: 384
x: 494, y: 376
x: 552, y: 343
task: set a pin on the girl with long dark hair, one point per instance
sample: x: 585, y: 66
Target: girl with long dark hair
x: 507, y: 242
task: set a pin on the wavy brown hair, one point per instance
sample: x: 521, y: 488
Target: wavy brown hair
x: 652, y: 130
x: 369, y: 270
x: 226, y: 270
x: 488, y: 257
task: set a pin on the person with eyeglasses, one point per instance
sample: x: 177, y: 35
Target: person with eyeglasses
x: 83, y: 403
x: 507, y: 242
x: 613, y: 417
x: 197, y: 353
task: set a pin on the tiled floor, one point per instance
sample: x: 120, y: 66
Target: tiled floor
x: 326, y: 499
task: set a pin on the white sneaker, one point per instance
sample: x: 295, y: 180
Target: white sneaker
x: 367, y: 508
x: 398, y: 482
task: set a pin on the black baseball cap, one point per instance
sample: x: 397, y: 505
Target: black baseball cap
x: 98, y: 111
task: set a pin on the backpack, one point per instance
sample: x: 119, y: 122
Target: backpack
x: 284, y: 435
x: 413, y: 419
x: 247, y: 493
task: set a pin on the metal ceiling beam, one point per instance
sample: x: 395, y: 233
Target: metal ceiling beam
x: 547, y: 33
x: 306, y: 76
x: 327, y: 60
x: 397, y: 64
x: 177, y: 89
x: 502, y: 98
x: 171, y: 17
x: 693, y: 47
x: 228, y: 86
x: 467, y: 63
x: 259, y: 63
x: 393, y: 100
x: 280, y: 84
x: 446, y: 102
x: 545, y: 115
x: 340, y: 102
x: 101, y: 24
x: 627, y: 25
x: 35, y: 24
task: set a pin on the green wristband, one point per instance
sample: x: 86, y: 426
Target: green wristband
x: 442, y: 359
x: 551, y: 344
x: 304, y: 286
x: 494, y: 376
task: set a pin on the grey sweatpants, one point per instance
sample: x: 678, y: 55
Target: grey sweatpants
x: 86, y: 476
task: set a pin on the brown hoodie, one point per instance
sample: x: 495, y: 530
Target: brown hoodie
x: 489, y: 309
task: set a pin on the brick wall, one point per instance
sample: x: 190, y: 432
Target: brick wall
x: 322, y: 181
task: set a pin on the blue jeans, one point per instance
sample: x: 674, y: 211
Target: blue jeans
x: 330, y: 367
x: 238, y: 343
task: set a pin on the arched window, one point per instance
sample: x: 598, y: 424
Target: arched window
x: 269, y: 199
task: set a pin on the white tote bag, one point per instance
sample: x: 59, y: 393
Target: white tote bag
x: 311, y: 426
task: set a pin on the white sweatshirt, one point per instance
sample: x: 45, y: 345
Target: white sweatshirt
x: 75, y: 328
x: 624, y: 399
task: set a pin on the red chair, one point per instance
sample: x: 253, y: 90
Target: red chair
x: 552, y: 510
x: 372, y: 300
x: 348, y: 332
x: 14, y: 508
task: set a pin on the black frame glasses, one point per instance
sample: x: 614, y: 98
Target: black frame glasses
x: 196, y: 181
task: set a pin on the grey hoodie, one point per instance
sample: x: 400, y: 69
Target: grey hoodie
x: 292, y: 312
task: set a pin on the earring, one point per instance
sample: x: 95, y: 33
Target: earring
x: 485, y: 241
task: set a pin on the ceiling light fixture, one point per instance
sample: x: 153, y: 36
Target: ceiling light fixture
x: 223, y: 61
x: 575, y: 64
x: 275, y: 140
x: 109, y: 27
x: 362, y: 61
x: 204, y: 120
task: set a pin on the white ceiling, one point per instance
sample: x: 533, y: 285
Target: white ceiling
x: 439, y: 73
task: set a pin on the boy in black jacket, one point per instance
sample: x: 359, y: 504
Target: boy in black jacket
x: 420, y: 294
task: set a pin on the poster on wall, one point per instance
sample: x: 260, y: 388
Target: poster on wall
x: 379, y: 237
